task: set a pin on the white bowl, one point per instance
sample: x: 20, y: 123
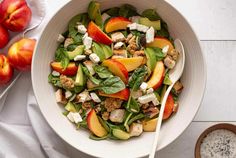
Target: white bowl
x: 194, y: 79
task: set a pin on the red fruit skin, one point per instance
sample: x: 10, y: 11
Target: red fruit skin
x: 4, y: 37
x: 15, y: 15
x: 71, y: 69
x: 97, y: 34
x: 20, y: 54
x: 6, y: 71
x: 169, y: 107
x: 123, y: 94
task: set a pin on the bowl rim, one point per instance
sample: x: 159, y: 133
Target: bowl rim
x: 226, y: 126
x: 203, y: 88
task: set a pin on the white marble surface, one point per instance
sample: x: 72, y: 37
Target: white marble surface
x: 215, y: 24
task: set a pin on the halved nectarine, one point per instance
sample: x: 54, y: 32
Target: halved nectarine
x: 131, y: 63
x: 117, y: 69
x: 161, y: 42
x: 97, y: 34
x: 123, y: 94
x: 157, y: 76
x: 71, y: 69
x: 117, y: 23
x: 94, y: 125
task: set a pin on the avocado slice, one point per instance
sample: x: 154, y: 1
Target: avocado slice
x: 70, y: 107
x: 80, y: 78
x: 77, y: 51
x: 118, y: 133
x: 155, y: 24
x: 151, y: 58
x: 107, y: 51
x: 97, y: 49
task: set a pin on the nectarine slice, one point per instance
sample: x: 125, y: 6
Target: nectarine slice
x: 123, y: 94
x: 117, y: 69
x: 169, y: 107
x: 157, y: 76
x: 161, y: 42
x: 94, y: 125
x: 97, y: 34
x: 117, y: 23
x: 150, y: 125
x: 131, y: 63
x: 71, y: 69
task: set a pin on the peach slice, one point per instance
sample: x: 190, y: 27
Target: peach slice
x: 169, y: 107
x: 94, y: 125
x: 150, y: 125
x: 117, y: 23
x: 123, y: 94
x: 117, y: 69
x: 161, y: 42
x: 131, y: 63
x: 71, y: 69
x: 157, y: 76
x: 97, y: 34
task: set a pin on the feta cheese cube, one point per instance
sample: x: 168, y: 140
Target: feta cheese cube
x: 74, y: 117
x: 132, y: 26
x: 150, y: 35
x: 136, y: 129
x: 150, y: 90
x: 118, y: 45
x: 89, y: 65
x: 70, y: 117
x: 81, y: 29
x: 142, y: 28
x: 60, y: 38
x: 155, y: 102
x: 165, y: 50
x: 143, y: 86
x: 55, y: 73
x: 117, y: 115
x: 117, y: 36
x: 95, y: 98
x: 105, y: 16
x: 84, y: 96
x: 79, y: 57
x: 68, y: 94
x: 147, y: 98
x: 87, y: 41
x: 94, y: 58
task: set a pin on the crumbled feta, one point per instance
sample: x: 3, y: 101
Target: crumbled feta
x: 118, y: 45
x: 142, y: 28
x: 155, y: 102
x: 95, y: 98
x: 117, y: 36
x: 105, y: 16
x: 117, y: 57
x: 89, y: 65
x: 87, y: 41
x: 117, y: 115
x: 60, y: 38
x: 55, y: 73
x: 94, y: 58
x: 68, y: 94
x: 81, y: 29
x: 136, y: 129
x: 143, y: 86
x: 84, y: 96
x: 147, y: 98
x: 74, y: 117
x: 150, y: 90
x: 79, y: 57
x: 132, y: 26
x: 135, y: 19
x: 150, y: 35
x: 165, y: 50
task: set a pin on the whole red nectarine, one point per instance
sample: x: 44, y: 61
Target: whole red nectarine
x: 4, y: 36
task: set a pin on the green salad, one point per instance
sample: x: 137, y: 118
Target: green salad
x: 111, y: 70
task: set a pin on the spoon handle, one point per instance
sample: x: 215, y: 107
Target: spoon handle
x: 159, y: 121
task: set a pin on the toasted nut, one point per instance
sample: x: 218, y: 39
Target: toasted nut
x: 112, y: 104
x: 174, y: 54
x: 178, y: 86
x: 139, y: 53
x: 105, y: 115
x: 67, y: 82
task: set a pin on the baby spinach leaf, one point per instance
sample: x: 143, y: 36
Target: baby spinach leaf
x: 111, y: 85
x: 151, y: 14
x: 62, y: 56
x: 93, y: 79
x: 113, y: 11
x: 159, y: 54
x: 136, y: 117
x: 137, y: 78
x: 102, y: 71
x: 132, y: 105
x: 54, y: 80
x: 127, y: 118
x: 127, y: 11
x: 164, y: 30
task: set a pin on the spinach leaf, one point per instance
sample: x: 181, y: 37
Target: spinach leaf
x: 102, y: 71
x: 164, y: 30
x: 78, y: 89
x: 93, y: 79
x: 137, y: 78
x: 54, y: 80
x: 136, y: 117
x: 159, y: 54
x: 127, y: 11
x: 132, y: 105
x: 127, y: 118
x: 113, y: 11
x: 62, y: 56
x: 71, y: 47
x: 151, y: 14
x: 111, y: 85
